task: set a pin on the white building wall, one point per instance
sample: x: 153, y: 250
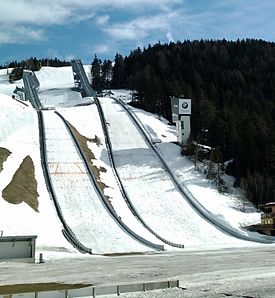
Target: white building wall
x: 183, y: 129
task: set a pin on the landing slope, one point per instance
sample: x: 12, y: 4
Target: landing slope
x: 151, y: 189
x: 76, y: 194
x: 19, y: 134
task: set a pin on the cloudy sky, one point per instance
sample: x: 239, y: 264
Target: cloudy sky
x: 80, y: 28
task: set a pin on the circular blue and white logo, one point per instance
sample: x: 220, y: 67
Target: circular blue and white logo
x: 184, y: 105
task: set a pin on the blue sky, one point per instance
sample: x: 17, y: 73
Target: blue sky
x: 80, y: 28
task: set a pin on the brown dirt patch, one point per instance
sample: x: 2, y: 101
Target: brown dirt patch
x: 83, y: 142
x: 39, y: 287
x: 23, y: 187
x: 4, y: 154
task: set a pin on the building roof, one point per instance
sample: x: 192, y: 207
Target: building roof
x: 269, y: 204
x: 17, y: 238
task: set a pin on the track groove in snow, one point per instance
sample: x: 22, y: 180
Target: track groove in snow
x: 77, y: 196
x: 151, y: 189
x: 19, y: 133
x: 107, y: 177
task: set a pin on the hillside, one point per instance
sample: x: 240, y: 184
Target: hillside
x: 19, y: 135
x: 232, y: 87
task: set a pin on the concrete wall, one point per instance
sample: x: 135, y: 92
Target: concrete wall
x: 18, y: 248
x: 98, y: 291
x: 183, y: 129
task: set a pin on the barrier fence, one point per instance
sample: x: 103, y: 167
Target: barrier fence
x: 96, y: 291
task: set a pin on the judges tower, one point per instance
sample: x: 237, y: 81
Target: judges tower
x: 181, y: 113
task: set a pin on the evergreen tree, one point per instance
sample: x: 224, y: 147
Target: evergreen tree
x: 232, y: 87
x: 96, y: 74
x: 118, y: 72
x: 107, y: 74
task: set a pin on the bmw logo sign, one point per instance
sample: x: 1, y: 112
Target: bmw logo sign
x: 184, y: 105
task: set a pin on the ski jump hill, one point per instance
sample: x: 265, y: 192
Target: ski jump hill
x: 101, y: 184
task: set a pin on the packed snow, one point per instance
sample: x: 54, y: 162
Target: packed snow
x: 232, y: 208
x: 78, y: 199
x: 147, y: 184
x: 19, y: 134
x: 93, y: 130
x: 151, y: 190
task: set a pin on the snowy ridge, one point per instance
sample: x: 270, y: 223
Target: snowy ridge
x: 123, y: 191
x: 161, y: 204
x: 245, y: 235
x: 31, y: 85
x: 67, y: 232
x: 152, y: 195
x: 77, y: 196
x: 79, y: 70
x: 70, y: 236
x: 19, y: 134
x: 103, y: 198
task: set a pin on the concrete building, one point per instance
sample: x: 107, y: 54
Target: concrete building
x: 18, y: 248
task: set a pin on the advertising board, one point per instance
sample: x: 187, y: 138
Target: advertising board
x: 184, y: 106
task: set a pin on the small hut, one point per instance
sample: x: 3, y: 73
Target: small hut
x: 267, y: 225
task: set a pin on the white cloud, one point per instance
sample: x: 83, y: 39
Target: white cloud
x: 20, y: 34
x: 27, y: 12
x: 220, y: 17
x: 102, y: 20
x: 229, y: 19
x: 101, y: 49
x: 169, y: 37
x: 69, y: 57
x: 52, y: 53
x: 36, y: 14
x: 127, y: 4
x: 140, y: 28
x: 49, y: 12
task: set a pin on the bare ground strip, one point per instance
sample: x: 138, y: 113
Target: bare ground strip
x: 4, y: 154
x: 23, y: 186
x: 83, y: 142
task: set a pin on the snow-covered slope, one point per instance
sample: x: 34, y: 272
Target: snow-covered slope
x: 233, y: 209
x: 87, y: 122
x: 147, y: 184
x: 5, y: 86
x: 19, y: 134
x: 55, y: 77
x: 80, y: 204
x: 151, y: 189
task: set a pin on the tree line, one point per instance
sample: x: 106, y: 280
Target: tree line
x: 232, y: 87
x: 33, y: 64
